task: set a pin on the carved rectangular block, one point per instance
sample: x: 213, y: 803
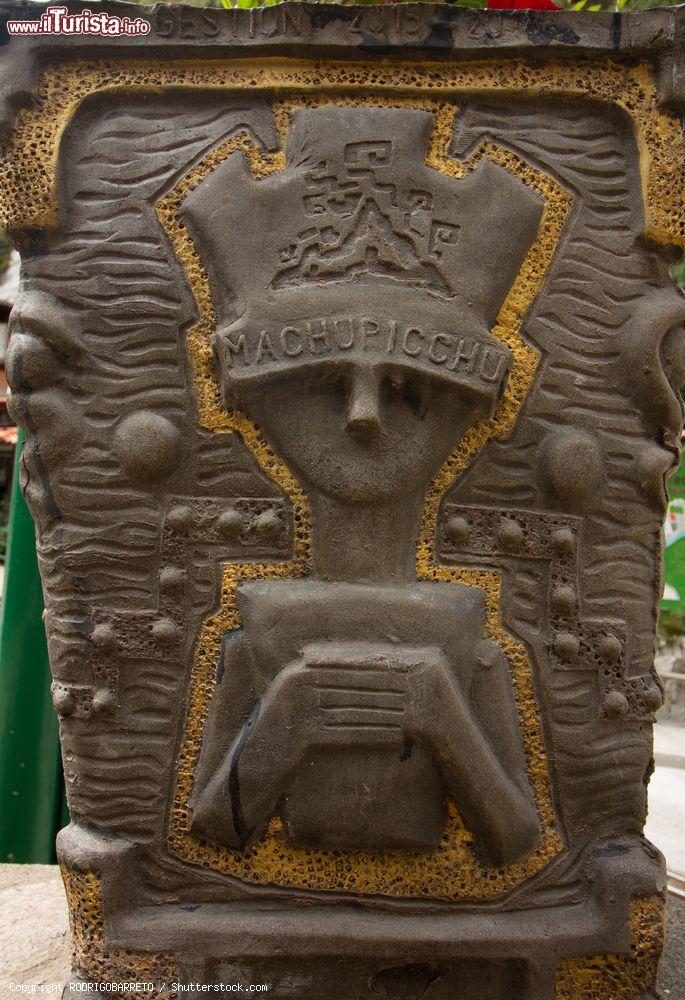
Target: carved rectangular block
x: 349, y: 361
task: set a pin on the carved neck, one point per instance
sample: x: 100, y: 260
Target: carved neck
x: 365, y: 544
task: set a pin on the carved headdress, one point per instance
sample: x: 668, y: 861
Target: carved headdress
x: 369, y: 254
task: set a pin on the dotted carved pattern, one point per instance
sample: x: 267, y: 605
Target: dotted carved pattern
x: 577, y: 647
x: 28, y: 179
x: 260, y: 527
x: 92, y: 959
x: 619, y: 977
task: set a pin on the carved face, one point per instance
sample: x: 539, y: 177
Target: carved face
x: 363, y: 431
x: 355, y: 289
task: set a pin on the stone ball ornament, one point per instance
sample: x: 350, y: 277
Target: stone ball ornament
x: 231, y: 523
x: 148, y: 446
x: 616, y: 704
x: 571, y: 466
x: 348, y: 357
x: 104, y: 637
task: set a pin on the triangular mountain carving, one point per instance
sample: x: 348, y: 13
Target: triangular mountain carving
x: 368, y: 245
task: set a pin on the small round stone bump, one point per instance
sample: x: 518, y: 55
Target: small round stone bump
x: 572, y: 463
x: 231, y: 523
x: 652, y: 462
x: 616, y: 704
x: 31, y: 361
x: 566, y: 646
x: 165, y: 631
x: 267, y: 524
x: 17, y: 404
x: 180, y: 518
x: 104, y: 637
x: 563, y: 598
x: 172, y: 579
x: 104, y: 701
x: 148, y: 446
x: 653, y: 698
x: 609, y: 648
x: 510, y: 534
x: 457, y: 529
x: 63, y: 700
x: 562, y: 541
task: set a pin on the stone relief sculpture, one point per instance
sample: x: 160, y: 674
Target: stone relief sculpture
x: 380, y: 694
x: 351, y: 382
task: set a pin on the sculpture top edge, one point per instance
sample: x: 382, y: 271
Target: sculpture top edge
x: 423, y: 30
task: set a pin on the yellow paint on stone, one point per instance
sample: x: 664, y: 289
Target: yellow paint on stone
x: 453, y: 870
x: 90, y: 955
x: 616, y: 976
x: 28, y: 200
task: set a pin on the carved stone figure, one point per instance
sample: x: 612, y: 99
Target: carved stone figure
x: 351, y: 381
x: 359, y: 698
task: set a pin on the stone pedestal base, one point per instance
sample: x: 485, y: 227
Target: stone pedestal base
x: 609, y: 904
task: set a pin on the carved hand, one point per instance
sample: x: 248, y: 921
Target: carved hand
x: 501, y: 817
x: 347, y: 694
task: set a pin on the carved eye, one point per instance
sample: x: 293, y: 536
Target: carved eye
x: 409, y: 391
x: 336, y: 382
x: 414, y: 398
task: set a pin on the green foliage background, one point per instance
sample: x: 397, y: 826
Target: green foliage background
x: 611, y: 5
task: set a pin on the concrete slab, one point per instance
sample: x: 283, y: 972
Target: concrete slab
x: 34, y: 931
x: 666, y: 818
x: 672, y: 978
x: 669, y: 744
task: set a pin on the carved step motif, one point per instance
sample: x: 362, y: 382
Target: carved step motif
x: 578, y: 647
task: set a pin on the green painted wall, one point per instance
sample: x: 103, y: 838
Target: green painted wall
x: 31, y: 785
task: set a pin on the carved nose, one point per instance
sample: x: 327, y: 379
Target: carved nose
x: 363, y: 404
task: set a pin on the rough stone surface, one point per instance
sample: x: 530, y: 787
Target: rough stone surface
x: 351, y: 385
x: 34, y: 937
x: 34, y: 929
